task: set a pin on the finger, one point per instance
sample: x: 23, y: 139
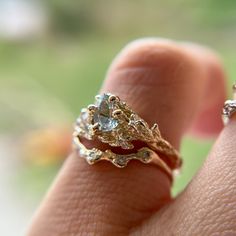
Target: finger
x: 157, y: 79
x: 161, y: 75
x: 207, y: 123
x: 208, y: 204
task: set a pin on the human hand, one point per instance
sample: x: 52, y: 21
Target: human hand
x: 181, y: 87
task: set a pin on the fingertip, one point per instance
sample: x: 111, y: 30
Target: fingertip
x: 161, y: 74
x: 150, y: 52
x: 207, y: 125
x: 208, y: 122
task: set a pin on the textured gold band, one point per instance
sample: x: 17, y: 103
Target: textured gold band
x: 145, y: 155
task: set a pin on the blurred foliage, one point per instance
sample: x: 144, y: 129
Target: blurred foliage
x: 219, y: 13
x: 71, y: 17
x: 79, y: 17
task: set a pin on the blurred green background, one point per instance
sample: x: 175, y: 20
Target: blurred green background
x: 53, y: 57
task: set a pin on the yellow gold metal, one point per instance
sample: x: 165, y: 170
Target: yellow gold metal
x: 95, y: 127
x: 112, y: 121
x: 145, y: 155
x: 91, y: 107
x: 117, y: 112
x: 113, y: 98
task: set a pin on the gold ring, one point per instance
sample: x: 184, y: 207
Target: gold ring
x: 144, y: 155
x: 229, y: 108
x: 111, y: 121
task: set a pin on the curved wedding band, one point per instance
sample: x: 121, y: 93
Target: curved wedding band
x: 144, y: 155
x: 229, y: 107
x: 111, y: 121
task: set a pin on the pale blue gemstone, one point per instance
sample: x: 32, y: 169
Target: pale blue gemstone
x: 103, y: 116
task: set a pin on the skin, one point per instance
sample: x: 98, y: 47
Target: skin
x: 181, y: 86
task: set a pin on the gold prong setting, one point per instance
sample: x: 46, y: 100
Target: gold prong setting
x: 91, y: 108
x: 113, y: 98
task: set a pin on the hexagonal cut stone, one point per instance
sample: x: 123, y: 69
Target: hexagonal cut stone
x: 103, y: 115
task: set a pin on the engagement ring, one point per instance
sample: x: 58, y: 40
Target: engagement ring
x: 112, y: 122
